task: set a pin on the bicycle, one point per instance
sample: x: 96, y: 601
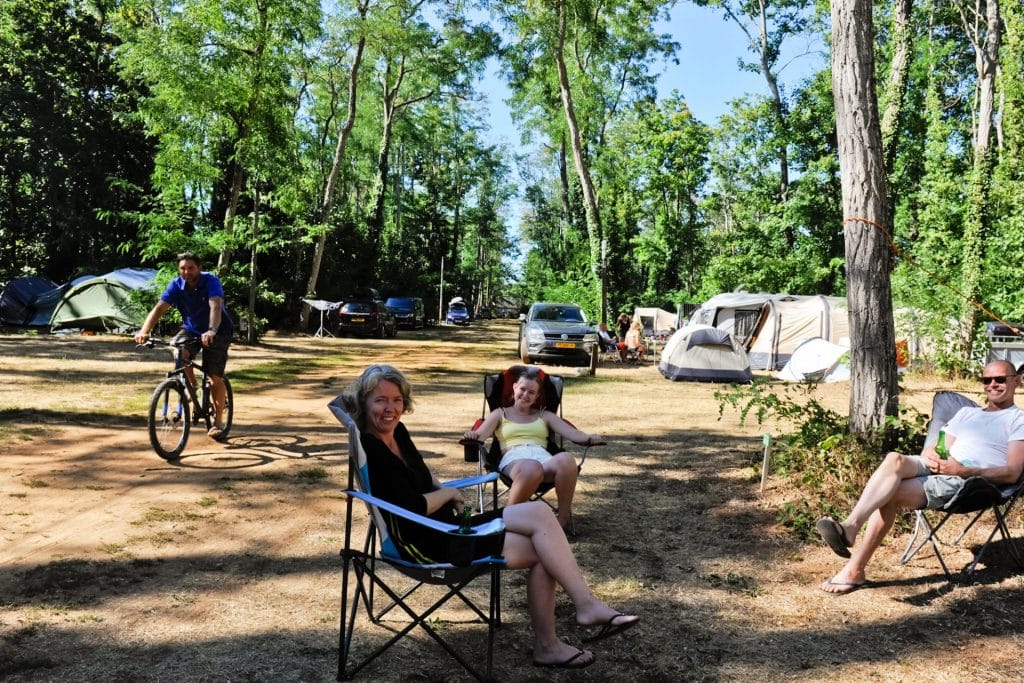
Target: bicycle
x: 176, y: 406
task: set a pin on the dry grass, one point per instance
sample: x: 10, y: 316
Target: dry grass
x: 118, y: 566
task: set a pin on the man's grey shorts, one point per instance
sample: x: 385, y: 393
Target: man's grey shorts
x: 938, y: 488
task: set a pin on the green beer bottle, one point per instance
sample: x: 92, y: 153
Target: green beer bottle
x: 465, y: 523
x: 940, y: 445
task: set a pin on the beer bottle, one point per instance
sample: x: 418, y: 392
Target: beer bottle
x: 465, y: 525
x: 940, y: 445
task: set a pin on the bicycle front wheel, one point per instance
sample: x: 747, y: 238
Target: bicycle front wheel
x: 210, y: 414
x: 169, y: 419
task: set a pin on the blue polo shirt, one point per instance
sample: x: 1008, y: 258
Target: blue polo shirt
x: 194, y: 305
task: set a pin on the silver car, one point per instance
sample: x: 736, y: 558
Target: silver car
x: 557, y: 333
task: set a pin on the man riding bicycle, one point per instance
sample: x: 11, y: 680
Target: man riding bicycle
x: 206, y: 326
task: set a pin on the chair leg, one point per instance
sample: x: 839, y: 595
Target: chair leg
x: 930, y: 536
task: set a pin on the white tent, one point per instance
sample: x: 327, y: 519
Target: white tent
x: 771, y: 326
x: 655, y: 320
x: 817, y: 360
x: 701, y: 353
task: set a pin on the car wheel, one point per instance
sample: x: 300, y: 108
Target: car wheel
x: 523, y: 355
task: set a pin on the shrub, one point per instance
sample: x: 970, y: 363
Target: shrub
x: 822, y: 466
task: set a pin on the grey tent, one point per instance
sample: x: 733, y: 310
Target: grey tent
x: 701, y: 353
x: 18, y: 301
x: 108, y: 302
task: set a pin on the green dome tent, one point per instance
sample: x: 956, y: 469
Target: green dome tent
x: 105, y: 303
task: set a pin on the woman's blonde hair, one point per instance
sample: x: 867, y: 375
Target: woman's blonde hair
x: 356, y: 393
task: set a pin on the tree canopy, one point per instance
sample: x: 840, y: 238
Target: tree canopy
x: 308, y: 149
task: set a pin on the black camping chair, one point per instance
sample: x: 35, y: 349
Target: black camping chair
x: 365, y: 570
x: 498, y: 393
x: 977, y: 496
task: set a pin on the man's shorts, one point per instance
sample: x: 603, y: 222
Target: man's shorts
x: 938, y: 488
x: 215, y: 356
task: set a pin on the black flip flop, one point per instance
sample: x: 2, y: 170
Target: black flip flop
x: 608, y: 629
x: 832, y: 533
x: 570, y: 663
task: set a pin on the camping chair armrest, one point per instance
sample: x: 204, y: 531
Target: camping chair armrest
x: 587, y: 445
x: 480, y: 530
x: 466, y: 482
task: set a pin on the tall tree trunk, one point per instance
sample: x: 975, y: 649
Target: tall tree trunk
x: 986, y: 58
x: 873, y: 394
x: 375, y: 219
x: 327, y: 203
x: 563, y: 179
x: 237, y: 178
x: 251, y: 332
x: 896, y: 85
x: 590, y: 203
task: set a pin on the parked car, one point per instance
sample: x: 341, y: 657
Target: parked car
x: 458, y: 313
x: 409, y: 311
x: 366, y: 317
x: 484, y: 314
x: 557, y: 333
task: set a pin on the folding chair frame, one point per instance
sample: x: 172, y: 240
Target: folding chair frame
x: 364, y: 565
x: 999, y: 501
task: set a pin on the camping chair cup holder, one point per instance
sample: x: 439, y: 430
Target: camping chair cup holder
x: 977, y: 497
x: 377, y: 567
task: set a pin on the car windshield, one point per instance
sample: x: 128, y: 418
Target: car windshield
x: 400, y: 302
x: 567, y: 314
x: 457, y: 307
x: 357, y: 307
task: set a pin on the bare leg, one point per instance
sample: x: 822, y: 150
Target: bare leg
x: 526, y: 476
x: 534, y: 537
x: 881, y: 489
x: 909, y: 495
x: 563, y: 471
x: 218, y: 394
x: 547, y: 646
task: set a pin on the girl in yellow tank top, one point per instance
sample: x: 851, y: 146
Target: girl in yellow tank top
x: 522, y: 430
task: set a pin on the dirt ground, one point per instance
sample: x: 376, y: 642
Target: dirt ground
x: 116, y: 565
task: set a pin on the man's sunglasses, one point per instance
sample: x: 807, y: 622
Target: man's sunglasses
x: 998, y: 379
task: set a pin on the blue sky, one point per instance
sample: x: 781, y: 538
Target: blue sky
x: 707, y: 74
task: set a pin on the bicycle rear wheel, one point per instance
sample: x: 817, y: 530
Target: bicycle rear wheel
x: 169, y: 419
x: 210, y: 415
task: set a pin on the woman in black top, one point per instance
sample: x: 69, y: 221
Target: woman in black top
x: 622, y: 325
x: 532, y: 540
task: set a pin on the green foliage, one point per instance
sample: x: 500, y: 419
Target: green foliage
x: 820, y: 465
x: 70, y: 158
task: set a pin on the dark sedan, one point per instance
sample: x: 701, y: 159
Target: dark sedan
x: 366, y: 318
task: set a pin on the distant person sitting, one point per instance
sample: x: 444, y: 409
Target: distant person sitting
x: 635, y: 341
x: 609, y: 342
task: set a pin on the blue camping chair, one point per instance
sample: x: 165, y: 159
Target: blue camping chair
x: 977, y: 496
x: 365, y: 570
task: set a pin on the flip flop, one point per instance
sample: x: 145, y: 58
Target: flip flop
x: 832, y: 533
x: 570, y: 663
x: 844, y: 586
x: 609, y: 629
